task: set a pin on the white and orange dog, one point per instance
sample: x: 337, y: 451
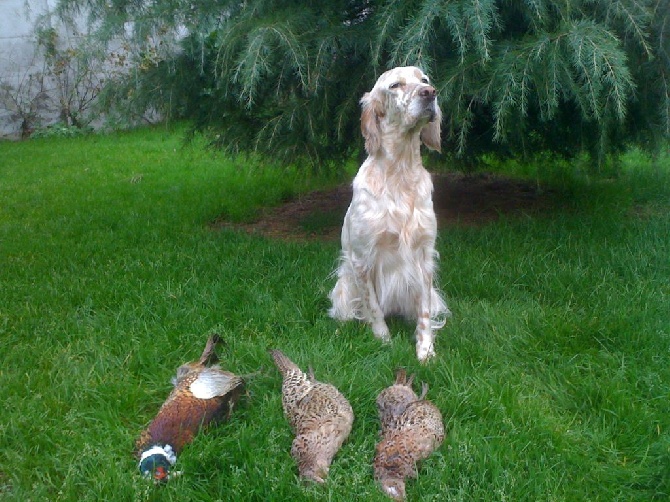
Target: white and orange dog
x: 388, y: 236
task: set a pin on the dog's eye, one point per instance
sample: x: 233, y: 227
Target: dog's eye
x: 424, y: 80
x: 395, y: 85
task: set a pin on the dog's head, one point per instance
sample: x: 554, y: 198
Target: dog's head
x: 401, y: 100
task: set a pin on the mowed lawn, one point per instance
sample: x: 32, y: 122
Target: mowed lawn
x: 553, y: 376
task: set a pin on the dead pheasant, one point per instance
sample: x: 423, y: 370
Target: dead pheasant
x: 203, y: 394
x: 320, y: 417
x: 412, y: 429
x: 393, y: 400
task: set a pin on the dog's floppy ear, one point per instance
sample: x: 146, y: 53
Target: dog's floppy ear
x: 372, y: 112
x: 431, y: 133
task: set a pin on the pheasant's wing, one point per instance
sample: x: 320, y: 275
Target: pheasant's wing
x: 422, y: 424
x: 213, y: 382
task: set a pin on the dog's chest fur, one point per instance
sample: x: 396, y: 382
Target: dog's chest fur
x: 399, y: 208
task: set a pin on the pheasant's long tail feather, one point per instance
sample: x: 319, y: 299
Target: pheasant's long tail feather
x: 283, y: 363
x: 400, y: 376
x: 402, y: 379
x: 208, y: 356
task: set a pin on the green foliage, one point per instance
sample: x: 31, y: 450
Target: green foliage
x: 553, y: 374
x: 60, y: 130
x: 284, y: 77
x: 75, y: 69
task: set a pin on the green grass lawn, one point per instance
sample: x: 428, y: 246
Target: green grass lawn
x: 553, y: 375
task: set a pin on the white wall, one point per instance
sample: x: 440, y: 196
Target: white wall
x: 17, y: 51
x: 20, y: 59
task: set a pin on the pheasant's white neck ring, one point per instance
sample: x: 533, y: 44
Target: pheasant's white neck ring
x: 157, y: 460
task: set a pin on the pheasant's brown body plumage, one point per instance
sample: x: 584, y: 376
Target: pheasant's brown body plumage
x: 320, y: 417
x: 202, y: 395
x: 412, y: 429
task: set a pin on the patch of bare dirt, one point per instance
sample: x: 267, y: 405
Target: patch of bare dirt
x: 458, y: 199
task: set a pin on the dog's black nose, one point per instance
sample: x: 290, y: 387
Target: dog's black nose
x: 428, y: 92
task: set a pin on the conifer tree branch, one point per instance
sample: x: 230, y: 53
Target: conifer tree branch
x: 457, y: 28
x: 286, y: 77
x: 410, y: 45
x: 390, y: 16
x: 481, y: 15
x: 635, y: 18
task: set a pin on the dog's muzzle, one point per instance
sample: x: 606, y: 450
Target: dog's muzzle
x: 428, y: 95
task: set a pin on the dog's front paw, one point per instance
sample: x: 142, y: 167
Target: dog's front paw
x: 425, y: 349
x: 381, y: 331
x: 424, y: 354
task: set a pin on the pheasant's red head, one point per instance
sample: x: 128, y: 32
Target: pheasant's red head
x: 160, y: 473
x: 156, y: 462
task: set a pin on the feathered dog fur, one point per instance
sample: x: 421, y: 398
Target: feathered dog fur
x: 388, y: 236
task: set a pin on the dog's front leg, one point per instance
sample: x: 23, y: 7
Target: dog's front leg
x: 425, y: 338
x: 372, y: 311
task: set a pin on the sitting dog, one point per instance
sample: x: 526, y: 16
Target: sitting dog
x: 388, y: 236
